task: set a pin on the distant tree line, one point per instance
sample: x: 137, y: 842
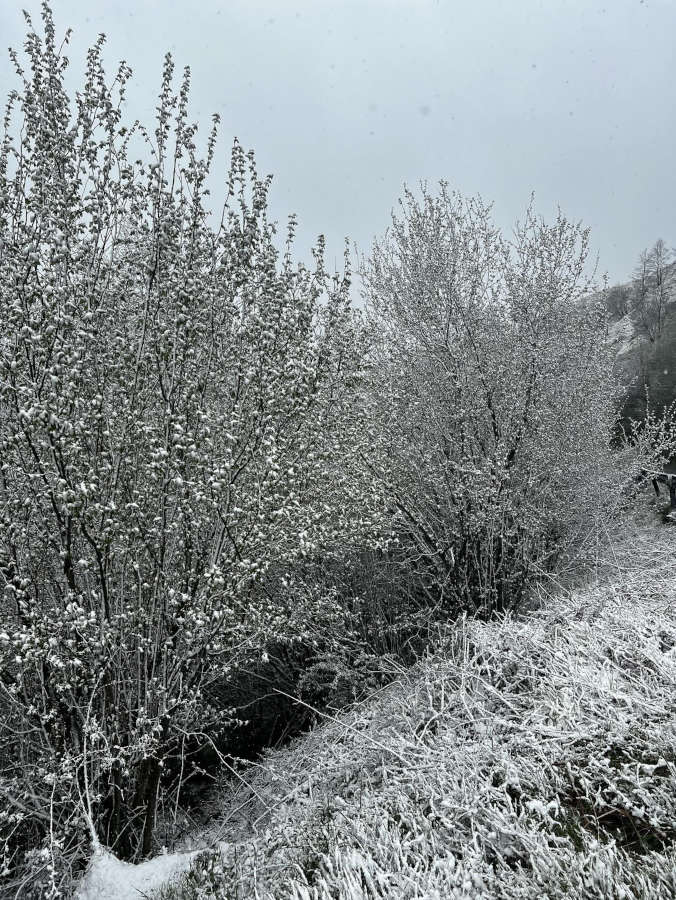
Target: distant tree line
x: 649, y: 300
x: 647, y: 295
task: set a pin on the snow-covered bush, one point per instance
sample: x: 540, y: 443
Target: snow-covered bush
x: 492, y: 386
x: 651, y: 441
x: 180, y: 421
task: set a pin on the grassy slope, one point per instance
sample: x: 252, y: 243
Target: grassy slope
x: 532, y: 758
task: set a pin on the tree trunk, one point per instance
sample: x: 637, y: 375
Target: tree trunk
x: 147, y: 788
x: 152, y: 788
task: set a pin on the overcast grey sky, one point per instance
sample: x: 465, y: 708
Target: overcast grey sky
x: 345, y: 100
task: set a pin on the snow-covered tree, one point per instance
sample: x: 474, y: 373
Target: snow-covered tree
x: 652, y: 287
x: 492, y: 376
x: 181, y: 422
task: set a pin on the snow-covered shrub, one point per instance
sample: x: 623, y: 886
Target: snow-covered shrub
x: 180, y: 421
x: 651, y: 441
x: 492, y: 386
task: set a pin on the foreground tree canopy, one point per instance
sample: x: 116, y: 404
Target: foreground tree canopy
x: 208, y: 455
x: 173, y: 397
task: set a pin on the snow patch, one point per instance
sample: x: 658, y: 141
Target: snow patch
x: 622, y: 335
x: 108, y: 878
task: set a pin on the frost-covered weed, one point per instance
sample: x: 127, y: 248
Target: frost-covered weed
x: 525, y: 759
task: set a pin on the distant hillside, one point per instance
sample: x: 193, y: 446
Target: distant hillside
x: 645, y: 356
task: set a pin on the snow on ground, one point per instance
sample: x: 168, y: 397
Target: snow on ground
x: 622, y: 335
x: 108, y: 878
